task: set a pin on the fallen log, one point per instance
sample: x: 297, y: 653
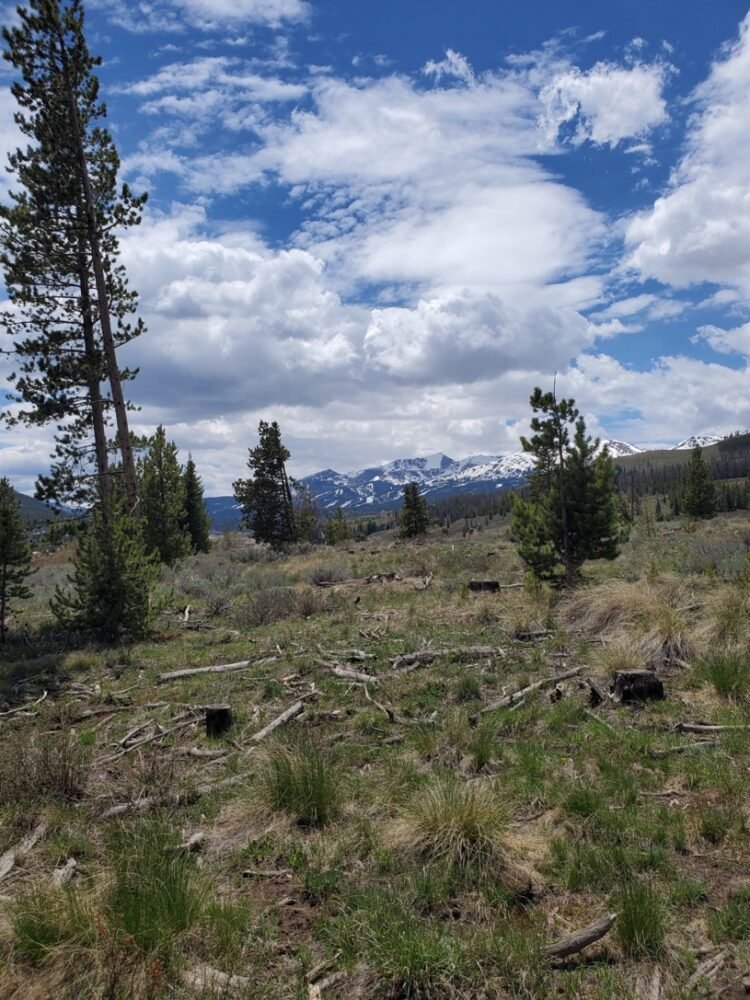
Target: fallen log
x: 347, y: 674
x: 579, y: 940
x: 700, y: 727
x: 205, y: 980
x: 221, y: 668
x: 510, y: 699
x: 8, y: 860
x: 296, y: 709
x: 61, y: 876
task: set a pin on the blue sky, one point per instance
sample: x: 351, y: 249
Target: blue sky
x: 383, y: 223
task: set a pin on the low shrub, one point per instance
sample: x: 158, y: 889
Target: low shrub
x: 48, y: 765
x: 328, y: 572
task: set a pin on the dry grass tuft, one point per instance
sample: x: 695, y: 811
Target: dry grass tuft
x: 455, y: 822
x: 649, y: 619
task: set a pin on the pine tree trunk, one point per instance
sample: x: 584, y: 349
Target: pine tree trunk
x: 121, y: 415
x: 3, y: 589
x: 570, y: 571
x: 95, y: 396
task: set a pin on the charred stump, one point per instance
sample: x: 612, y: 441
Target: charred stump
x: 637, y: 685
x: 218, y: 720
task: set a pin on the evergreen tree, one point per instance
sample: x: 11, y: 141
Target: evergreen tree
x: 571, y: 513
x: 414, y: 516
x: 337, y: 528
x: 699, y: 495
x: 59, y: 243
x: 163, y: 501
x: 306, y: 514
x: 15, y: 554
x: 196, y: 520
x: 266, y: 498
x: 112, y: 579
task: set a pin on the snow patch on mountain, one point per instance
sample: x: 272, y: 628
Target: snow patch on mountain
x: 697, y: 441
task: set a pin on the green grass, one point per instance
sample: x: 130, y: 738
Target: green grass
x: 731, y: 922
x: 45, y: 920
x: 155, y: 893
x: 436, y: 855
x: 728, y: 671
x: 642, y: 922
x: 302, y: 781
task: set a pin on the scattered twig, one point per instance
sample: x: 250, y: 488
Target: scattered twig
x: 683, y: 748
x: 191, y: 795
x: 511, y: 699
x: 706, y: 970
x: 573, y: 943
x: 700, y: 727
x: 267, y: 873
x: 26, y: 707
x: 392, y: 717
x: 315, y: 990
x: 598, y: 718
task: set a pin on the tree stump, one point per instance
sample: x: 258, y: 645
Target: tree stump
x: 485, y: 586
x: 218, y: 720
x: 637, y: 685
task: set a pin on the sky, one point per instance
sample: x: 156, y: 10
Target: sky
x: 382, y: 224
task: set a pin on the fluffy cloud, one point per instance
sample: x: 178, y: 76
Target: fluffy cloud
x: 699, y: 230
x: 604, y: 105
x: 736, y: 341
x: 468, y: 337
x: 205, y: 15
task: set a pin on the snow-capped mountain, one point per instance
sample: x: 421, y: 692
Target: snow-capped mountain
x: 618, y: 449
x: 697, y: 441
x: 438, y: 476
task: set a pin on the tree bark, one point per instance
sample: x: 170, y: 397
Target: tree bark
x: 108, y: 342
x: 95, y: 394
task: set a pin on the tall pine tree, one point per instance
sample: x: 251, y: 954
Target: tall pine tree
x: 15, y: 555
x: 163, y: 495
x: 571, y: 512
x: 71, y: 302
x: 196, y: 520
x: 699, y: 495
x: 266, y: 498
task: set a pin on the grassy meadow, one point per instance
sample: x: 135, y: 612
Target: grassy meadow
x: 395, y: 836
